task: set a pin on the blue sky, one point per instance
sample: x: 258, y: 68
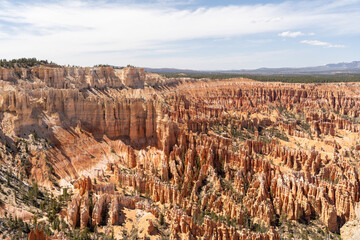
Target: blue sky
x: 191, y: 34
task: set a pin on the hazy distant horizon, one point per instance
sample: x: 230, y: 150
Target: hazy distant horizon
x: 195, y: 34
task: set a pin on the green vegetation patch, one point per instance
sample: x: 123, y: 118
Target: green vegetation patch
x: 315, y: 78
x: 25, y: 62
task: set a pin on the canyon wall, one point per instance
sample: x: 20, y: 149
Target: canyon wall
x: 230, y: 159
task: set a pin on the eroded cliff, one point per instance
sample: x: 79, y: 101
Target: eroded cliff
x: 149, y: 156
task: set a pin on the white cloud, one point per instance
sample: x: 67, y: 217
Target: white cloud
x: 3, y: 35
x: 322, y: 44
x: 295, y: 34
x: 291, y: 34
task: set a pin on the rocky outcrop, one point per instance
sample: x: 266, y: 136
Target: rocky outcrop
x: 100, y: 212
x: 183, y: 224
x: 351, y: 229
x: 80, y: 78
x: 216, y: 158
x: 84, y: 185
x: 115, y: 118
x: 151, y: 229
x: 74, y: 212
x: 37, y: 234
x: 85, y: 212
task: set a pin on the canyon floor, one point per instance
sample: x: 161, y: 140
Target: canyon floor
x: 103, y: 153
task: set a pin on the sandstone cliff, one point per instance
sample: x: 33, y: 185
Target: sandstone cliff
x: 230, y: 159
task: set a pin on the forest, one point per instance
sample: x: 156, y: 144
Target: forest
x: 315, y: 78
x: 25, y: 62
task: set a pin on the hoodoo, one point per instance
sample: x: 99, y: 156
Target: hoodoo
x: 104, y: 151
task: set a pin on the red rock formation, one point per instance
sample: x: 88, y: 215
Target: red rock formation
x: 233, y: 149
x: 97, y: 77
x: 151, y: 229
x: 74, y: 212
x: 85, y: 212
x: 37, y: 234
x: 114, y: 211
x: 99, y: 215
x: 84, y: 185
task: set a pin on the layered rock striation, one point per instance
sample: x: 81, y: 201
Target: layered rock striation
x: 230, y: 159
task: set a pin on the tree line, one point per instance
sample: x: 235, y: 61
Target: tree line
x: 315, y: 78
x: 25, y: 62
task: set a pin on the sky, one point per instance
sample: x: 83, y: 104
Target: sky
x: 189, y: 34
